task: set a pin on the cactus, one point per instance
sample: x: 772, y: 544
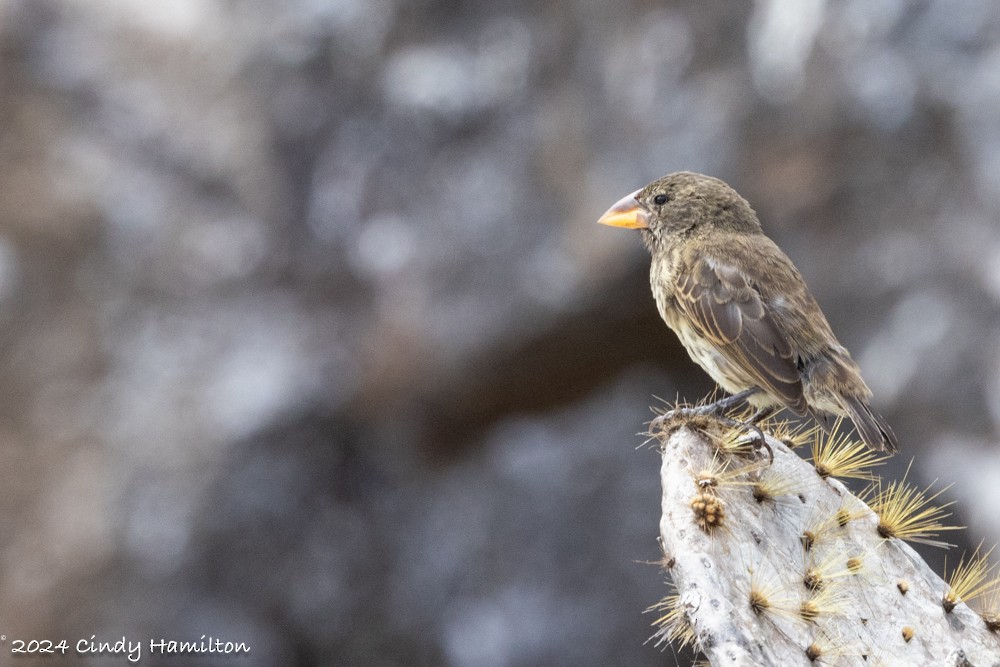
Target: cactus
x: 773, y: 561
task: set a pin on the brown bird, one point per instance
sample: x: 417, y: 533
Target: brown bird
x: 741, y: 308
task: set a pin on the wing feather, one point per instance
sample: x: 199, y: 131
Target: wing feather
x: 729, y: 311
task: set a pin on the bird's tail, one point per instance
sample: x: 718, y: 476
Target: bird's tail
x: 871, y: 426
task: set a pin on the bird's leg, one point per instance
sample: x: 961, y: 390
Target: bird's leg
x: 754, y: 439
x: 718, y: 408
x: 753, y: 424
x: 723, y: 404
x: 715, y: 408
x: 761, y: 415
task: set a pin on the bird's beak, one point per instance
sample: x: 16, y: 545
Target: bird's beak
x: 626, y: 213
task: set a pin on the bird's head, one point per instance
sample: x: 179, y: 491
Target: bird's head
x: 682, y: 203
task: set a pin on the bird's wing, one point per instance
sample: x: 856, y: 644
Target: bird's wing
x: 726, y: 307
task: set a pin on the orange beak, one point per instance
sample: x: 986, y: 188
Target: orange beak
x: 626, y: 213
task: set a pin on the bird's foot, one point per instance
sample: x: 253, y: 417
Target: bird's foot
x: 759, y: 441
x: 754, y: 440
x: 746, y: 439
x: 715, y: 409
x: 754, y: 425
x: 755, y: 437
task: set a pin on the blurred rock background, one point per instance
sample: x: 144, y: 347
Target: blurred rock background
x: 309, y: 339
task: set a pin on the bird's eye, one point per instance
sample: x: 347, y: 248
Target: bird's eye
x: 660, y: 199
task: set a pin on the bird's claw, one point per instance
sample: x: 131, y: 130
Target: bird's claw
x: 660, y: 422
x: 761, y: 442
x: 754, y: 441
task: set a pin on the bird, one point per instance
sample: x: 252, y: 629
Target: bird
x: 741, y: 308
